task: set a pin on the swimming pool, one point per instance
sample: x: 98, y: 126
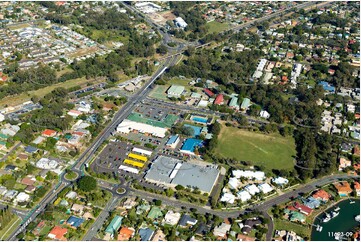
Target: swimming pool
x: 199, y: 119
x: 197, y: 130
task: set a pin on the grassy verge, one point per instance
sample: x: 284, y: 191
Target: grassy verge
x: 299, y: 229
x: 10, y: 228
x: 268, y: 150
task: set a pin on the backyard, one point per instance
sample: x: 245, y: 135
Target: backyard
x: 299, y: 229
x: 269, y: 150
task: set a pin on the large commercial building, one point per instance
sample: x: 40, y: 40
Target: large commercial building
x: 128, y: 126
x: 172, y: 172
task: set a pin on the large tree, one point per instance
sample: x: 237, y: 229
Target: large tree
x: 87, y: 183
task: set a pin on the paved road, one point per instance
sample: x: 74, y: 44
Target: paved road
x: 199, y: 110
x: 10, y: 151
x: 85, y: 157
x: 98, y: 223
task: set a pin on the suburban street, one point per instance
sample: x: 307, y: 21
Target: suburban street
x: 141, y: 96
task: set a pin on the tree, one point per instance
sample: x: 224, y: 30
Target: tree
x: 162, y: 49
x: 87, y: 183
x: 158, y: 202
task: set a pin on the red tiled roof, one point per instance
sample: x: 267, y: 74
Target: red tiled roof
x: 208, y: 92
x: 59, y: 232
x: 321, y: 194
x: 303, y: 208
x: 125, y: 233
x: 49, y: 132
x: 219, y: 99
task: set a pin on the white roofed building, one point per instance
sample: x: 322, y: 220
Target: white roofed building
x: 252, y: 189
x: 127, y: 126
x: 180, y: 22
x: 265, y: 188
x: 258, y: 175
x: 244, y: 196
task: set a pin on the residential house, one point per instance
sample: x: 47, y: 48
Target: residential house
x: 303, y: 209
x: 159, y: 236
x: 186, y: 221
x: 171, y: 218
x: 74, y: 222
x: 113, y: 227
x: 208, y: 92
x: 219, y: 99
x: 57, y: 233
x: 233, y: 103
x: 28, y: 180
x: 30, y: 189
x: 125, y: 234
x: 202, y: 230
x: 22, y: 197
x: 243, y: 237
x: 250, y: 224
x: 321, y: 195
x: 312, y: 202
x: 49, y: 133
x: 142, y: 208
x: 222, y: 230
x: 71, y: 195
x: 294, y: 216
x: 344, y: 163
x: 146, y: 234
x: 245, y: 104
x: 129, y: 203
x: 78, y: 209
x: 343, y: 188
x: 155, y: 213
x: 31, y: 149
x: 38, y: 228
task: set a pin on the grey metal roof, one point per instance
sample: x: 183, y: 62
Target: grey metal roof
x: 188, y: 174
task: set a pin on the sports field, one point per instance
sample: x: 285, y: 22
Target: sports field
x: 271, y: 151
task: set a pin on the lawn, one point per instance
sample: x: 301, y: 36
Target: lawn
x: 271, y: 151
x: 10, y: 228
x: 159, y: 92
x: 18, y: 99
x: 299, y: 229
x: 216, y: 27
x: 179, y: 81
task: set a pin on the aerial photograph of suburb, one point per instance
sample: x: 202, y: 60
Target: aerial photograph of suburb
x: 180, y: 120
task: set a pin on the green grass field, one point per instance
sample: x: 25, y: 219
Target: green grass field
x: 271, y: 151
x: 215, y: 27
x: 18, y: 99
x: 159, y: 92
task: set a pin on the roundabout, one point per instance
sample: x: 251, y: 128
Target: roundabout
x: 121, y: 191
x: 71, y: 176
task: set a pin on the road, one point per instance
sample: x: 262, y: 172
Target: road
x: 198, y: 110
x: 106, y: 133
x: 10, y: 151
x: 98, y: 223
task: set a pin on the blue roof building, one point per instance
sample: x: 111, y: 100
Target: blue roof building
x: 190, y: 145
x: 31, y: 149
x: 312, y: 202
x: 74, y: 221
x: 146, y: 234
x: 327, y: 87
x: 173, y: 139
